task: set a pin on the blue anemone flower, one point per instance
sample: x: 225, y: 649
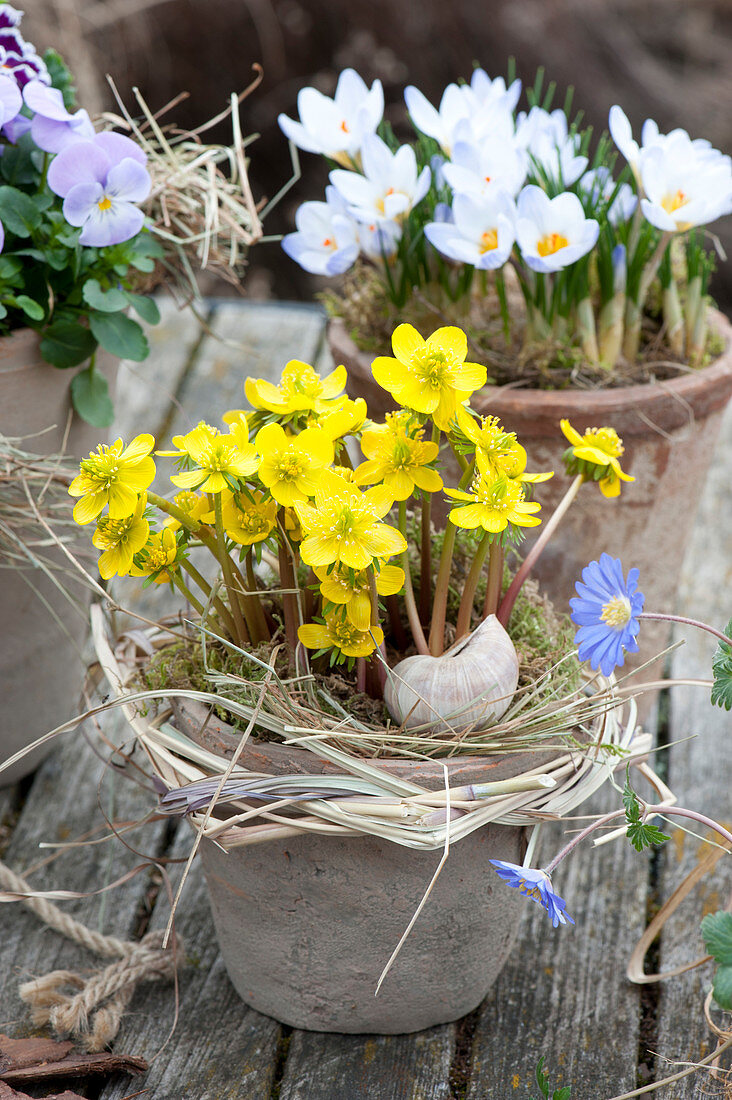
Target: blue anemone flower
x: 605, y: 610
x: 535, y: 885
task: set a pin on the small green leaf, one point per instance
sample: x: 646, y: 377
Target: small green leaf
x: 30, y: 308
x: 145, y: 307
x: 108, y: 301
x: 90, y: 397
x: 18, y: 213
x: 717, y: 932
x: 66, y: 344
x: 143, y: 263
x: 119, y: 335
x: 722, y: 671
x: 642, y: 835
x: 630, y: 800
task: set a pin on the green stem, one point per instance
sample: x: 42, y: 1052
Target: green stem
x: 242, y: 634
x: 495, y: 579
x: 181, y: 585
x: 256, y: 600
x: 506, y: 607
x: 222, y: 611
x: 471, y: 583
x: 412, y: 614
x: 288, y: 585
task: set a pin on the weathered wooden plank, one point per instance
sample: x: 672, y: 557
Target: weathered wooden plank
x: 563, y: 993
x: 250, y: 339
x: 366, y: 1067
x: 220, y: 1047
x: 147, y: 391
x: 699, y: 774
x: 62, y: 806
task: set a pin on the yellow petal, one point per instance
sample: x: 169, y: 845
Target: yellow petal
x: 406, y: 342
x: 390, y: 580
x: 429, y: 480
x: 140, y: 446
x: 89, y: 507
x: 314, y: 636
x: 571, y: 434
x: 450, y: 339
x: 358, y: 610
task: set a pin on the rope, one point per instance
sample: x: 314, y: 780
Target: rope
x: 92, y: 1013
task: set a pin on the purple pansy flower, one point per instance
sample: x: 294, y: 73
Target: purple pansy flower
x: 19, y: 60
x: 11, y: 100
x: 53, y: 127
x: 605, y: 610
x: 100, y: 181
x: 9, y: 16
x: 537, y: 885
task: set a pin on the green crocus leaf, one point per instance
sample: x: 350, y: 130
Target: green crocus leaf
x: 107, y: 301
x: 717, y: 932
x: 145, y: 307
x: 90, y: 397
x: 66, y: 344
x: 18, y: 213
x: 119, y: 335
x: 722, y: 671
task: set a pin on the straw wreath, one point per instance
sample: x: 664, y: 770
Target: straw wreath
x: 226, y: 802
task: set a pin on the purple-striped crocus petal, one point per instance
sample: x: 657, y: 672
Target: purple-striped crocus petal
x: 11, y: 100
x: 118, y: 147
x: 80, y: 162
x: 128, y: 181
x: 53, y: 136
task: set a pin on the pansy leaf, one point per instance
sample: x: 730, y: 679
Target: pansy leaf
x: 90, y: 397
x: 717, y: 932
x: 66, y: 344
x: 18, y: 212
x: 144, y: 307
x: 119, y: 335
x: 722, y: 670
x: 31, y: 309
x: 107, y: 301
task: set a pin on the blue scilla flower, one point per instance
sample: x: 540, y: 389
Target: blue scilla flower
x: 535, y: 885
x: 606, y: 610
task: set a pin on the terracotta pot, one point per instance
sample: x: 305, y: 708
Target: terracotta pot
x: 669, y: 430
x: 307, y: 924
x: 41, y: 668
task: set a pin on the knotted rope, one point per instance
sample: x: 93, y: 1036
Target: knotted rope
x: 90, y: 1015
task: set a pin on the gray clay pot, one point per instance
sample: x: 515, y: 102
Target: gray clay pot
x: 307, y: 924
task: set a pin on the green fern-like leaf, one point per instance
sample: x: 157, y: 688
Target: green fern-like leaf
x: 722, y: 670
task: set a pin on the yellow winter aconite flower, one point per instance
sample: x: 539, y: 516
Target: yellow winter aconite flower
x: 113, y: 476
x: 291, y: 466
x: 351, y: 589
x: 196, y: 507
x: 398, y: 458
x: 343, y: 525
x: 347, y: 419
x: 493, y: 503
x: 430, y: 376
x: 301, y: 390
x: 157, y: 556
x: 595, y: 454
x: 341, y: 635
x: 121, y: 539
x: 219, y: 459
x: 249, y: 520
x: 500, y: 451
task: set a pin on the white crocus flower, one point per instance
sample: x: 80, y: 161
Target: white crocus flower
x: 336, y: 127
x: 482, y: 232
x: 552, y: 233
x: 547, y: 139
x: 494, y: 93
x: 478, y: 169
x: 380, y: 241
x: 598, y: 186
x: 684, y: 190
x: 457, y: 105
x: 622, y: 134
x: 327, y: 240
x: 389, y: 187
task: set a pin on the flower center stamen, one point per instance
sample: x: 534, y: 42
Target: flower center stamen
x: 616, y: 612
x: 551, y: 243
